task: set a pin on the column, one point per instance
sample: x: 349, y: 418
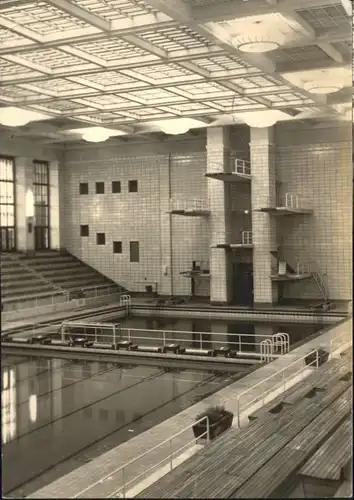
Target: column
x: 165, y: 285
x: 219, y: 194
x: 54, y: 214
x: 263, y: 194
x: 25, y: 221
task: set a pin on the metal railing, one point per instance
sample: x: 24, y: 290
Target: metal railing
x: 246, y: 237
x: 36, y: 302
x: 192, y: 205
x: 278, y: 384
x: 279, y: 343
x: 242, y: 167
x: 340, y: 341
x: 293, y: 201
x: 101, y: 290
x: 122, y: 490
x: 8, y: 315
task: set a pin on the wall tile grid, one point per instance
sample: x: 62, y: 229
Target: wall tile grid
x: 319, y: 169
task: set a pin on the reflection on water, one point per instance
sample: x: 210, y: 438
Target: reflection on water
x: 56, y: 409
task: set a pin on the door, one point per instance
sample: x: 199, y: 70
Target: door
x: 7, y: 239
x: 243, y: 284
x: 41, y: 238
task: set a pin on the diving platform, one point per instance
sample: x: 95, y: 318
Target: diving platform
x: 290, y: 204
x: 241, y: 172
x: 195, y: 207
x: 196, y: 274
x: 301, y: 272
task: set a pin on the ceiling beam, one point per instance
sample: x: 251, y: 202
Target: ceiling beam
x: 84, y: 15
x: 234, y: 9
x: 300, y: 66
x: 347, y: 6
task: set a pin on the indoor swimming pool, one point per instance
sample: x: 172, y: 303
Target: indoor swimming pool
x: 58, y: 414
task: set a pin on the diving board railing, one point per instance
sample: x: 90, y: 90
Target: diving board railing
x: 129, y: 479
x: 189, y: 205
x: 281, y: 379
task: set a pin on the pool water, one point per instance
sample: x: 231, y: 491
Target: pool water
x: 58, y: 414
x: 189, y: 332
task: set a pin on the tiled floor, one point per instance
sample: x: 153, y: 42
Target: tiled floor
x: 75, y: 482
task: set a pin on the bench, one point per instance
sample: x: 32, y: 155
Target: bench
x: 199, y: 352
x: 323, y: 472
x: 60, y: 342
x: 208, y: 473
x: 269, y: 480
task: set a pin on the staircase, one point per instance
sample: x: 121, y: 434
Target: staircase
x: 314, y: 272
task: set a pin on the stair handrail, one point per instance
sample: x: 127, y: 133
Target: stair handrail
x: 17, y: 259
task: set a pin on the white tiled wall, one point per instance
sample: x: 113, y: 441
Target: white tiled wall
x: 317, y: 163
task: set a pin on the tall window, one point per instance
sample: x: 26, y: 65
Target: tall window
x: 7, y: 204
x: 41, y: 204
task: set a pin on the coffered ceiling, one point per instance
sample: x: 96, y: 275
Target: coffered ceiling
x: 128, y: 65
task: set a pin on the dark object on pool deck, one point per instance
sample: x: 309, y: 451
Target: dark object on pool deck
x: 219, y: 421
x: 81, y: 342
x: 322, y: 358
x: 60, y: 342
x: 103, y: 345
x: 322, y: 307
x: 150, y: 348
x: 174, y: 348
x: 223, y: 350
x: 199, y: 352
x: 127, y: 344
x: 40, y: 339
x: 22, y: 340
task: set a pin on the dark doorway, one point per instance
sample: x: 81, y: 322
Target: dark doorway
x: 7, y: 239
x: 41, y: 241
x: 242, y: 284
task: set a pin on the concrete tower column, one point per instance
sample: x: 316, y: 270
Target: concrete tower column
x: 54, y: 214
x: 25, y: 221
x: 263, y: 194
x: 219, y: 194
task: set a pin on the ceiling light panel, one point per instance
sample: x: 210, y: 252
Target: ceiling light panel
x: 235, y: 104
x: 108, y: 101
x: 165, y: 72
x: 330, y: 16
x: 222, y: 63
x: 42, y: 18
x: 116, y: 9
x: 17, y: 93
x: 64, y: 106
x: 10, y: 39
x: 147, y: 114
x: 170, y: 39
x: 112, y: 49
x: 152, y: 96
x: 204, y: 89
x: 190, y: 108
x: 108, y: 79
x: 59, y: 86
x: 9, y: 69
x: 51, y: 58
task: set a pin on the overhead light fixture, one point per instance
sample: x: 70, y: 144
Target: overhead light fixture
x: 263, y: 119
x: 96, y: 134
x: 322, y: 87
x: 257, y: 38
x: 178, y: 126
x: 17, y: 117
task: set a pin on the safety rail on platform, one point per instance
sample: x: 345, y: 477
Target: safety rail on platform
x: 242, y: 167
x: 126, y: 483
x: 281, y: 384
x: 246, y: 237
x: 39, y: 308
x: 98, y: 290
x: 189, y: 205
x: 293, y: 201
